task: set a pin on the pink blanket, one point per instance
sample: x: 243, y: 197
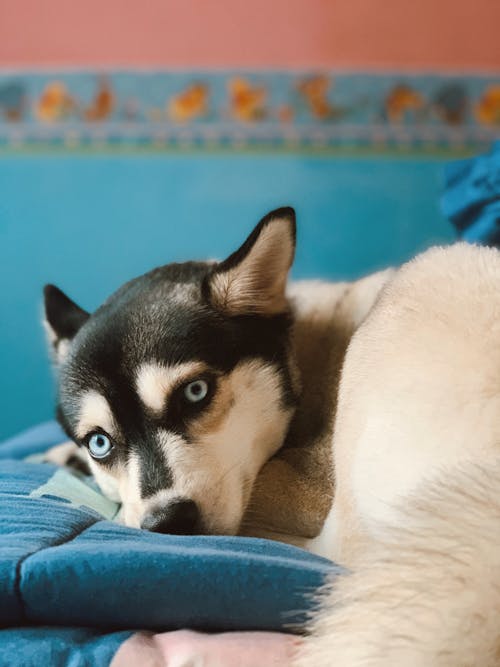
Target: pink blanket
x: 185, y: 648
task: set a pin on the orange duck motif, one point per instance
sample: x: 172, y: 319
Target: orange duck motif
x: 103, y: 104
x: 247, y: 102
x: 55, y: 103
x: 487, y: 110
x: 401, y: 100
x: 189, y: 104
x: 314, y: 90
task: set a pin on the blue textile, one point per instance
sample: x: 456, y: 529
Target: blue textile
x: 63, y: 564
x: 33, y: 441
x: 472, y: 197
x: 58, y: 647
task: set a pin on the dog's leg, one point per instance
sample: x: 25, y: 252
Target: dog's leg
x: 274, y: 513
x: 426, y: 595
x: 68, y: 454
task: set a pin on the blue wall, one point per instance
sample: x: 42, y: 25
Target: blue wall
x: 88, y: 223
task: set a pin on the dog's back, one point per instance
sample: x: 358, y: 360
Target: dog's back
x: 420, y: 388
x: 417, y: 449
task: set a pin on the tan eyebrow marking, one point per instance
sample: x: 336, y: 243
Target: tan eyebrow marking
x: 154, y: 381
x: 95, y: 412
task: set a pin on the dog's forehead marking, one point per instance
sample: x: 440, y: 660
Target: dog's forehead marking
x: 94, y: 412
x: 154, y: 381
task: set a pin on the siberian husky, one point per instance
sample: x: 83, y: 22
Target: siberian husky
x: 195, y: 380
x: 203, y: 397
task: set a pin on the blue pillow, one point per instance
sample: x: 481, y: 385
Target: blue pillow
x: 64, y: 562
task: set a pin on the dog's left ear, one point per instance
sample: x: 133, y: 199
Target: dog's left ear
x: 253, y: 279
x: 63, y: 319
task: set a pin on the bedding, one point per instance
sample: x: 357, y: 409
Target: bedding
x: 185, y: 648
x: 75, y: 585
x: 471, y: 198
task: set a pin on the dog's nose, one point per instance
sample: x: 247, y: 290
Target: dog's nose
x: 180, y: 517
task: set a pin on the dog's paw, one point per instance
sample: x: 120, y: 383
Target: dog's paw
x: 67, y: 454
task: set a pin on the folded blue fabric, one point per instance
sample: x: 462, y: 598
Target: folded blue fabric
x: 471, y: 199
x: 63, y: 563
x: 58, y: 647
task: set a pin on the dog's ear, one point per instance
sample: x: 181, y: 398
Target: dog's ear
x: 253, y: 279
x: 63, y: 318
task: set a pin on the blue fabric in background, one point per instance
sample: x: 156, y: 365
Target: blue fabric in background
x: 472, y: 197
x: 58, y: 647
x: 35, y: 440
x: 63, y: 564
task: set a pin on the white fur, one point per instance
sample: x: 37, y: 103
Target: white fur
x: 416, y: 512
x: 108, y: 483
x: 60, y: 346
x: 427, y: 594
x: 61, y: 454
x: 133, y: 510
x: 154, y: 381
x: 94, y: 413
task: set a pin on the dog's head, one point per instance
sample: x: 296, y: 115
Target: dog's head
x: 182, y: 384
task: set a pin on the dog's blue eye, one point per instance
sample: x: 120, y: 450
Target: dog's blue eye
x: 99, y: 445
x: 196, y: 391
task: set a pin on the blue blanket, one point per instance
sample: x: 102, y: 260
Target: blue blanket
x: 75, y: 583
x: 471, y: 199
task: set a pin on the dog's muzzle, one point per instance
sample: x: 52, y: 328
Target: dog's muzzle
x: 179, y: 517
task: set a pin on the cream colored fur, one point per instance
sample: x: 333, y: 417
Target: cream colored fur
x: 427, y: 594
x: 416, y: 513
x: 95, y: 411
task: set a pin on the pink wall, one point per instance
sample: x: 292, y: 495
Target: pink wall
x: 454, y: 34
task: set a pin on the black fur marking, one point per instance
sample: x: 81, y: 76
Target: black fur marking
x: 179, y: 411
x: 290, y: 396
x: 76, y: 463
x: 180, y: 517
x: 155, y: 473
x: 63, y: 315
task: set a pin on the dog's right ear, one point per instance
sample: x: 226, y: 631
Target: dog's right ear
x: 63, y: 318
x: 253, y: 279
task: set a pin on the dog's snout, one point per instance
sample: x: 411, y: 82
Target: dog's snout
x: 180, y: 517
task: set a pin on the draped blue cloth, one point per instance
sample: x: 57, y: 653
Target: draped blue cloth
x: 471, y: 200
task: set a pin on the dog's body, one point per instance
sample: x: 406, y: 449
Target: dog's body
x: 416, y: 513
x: 213, y: 394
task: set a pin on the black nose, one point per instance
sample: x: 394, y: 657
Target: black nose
x: 180, y: 517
